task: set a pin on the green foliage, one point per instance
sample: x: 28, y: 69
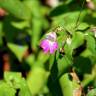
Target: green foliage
x: 37, y: 85
x: 31, y: 72
x: 66, y: 85
x: 92, y: 92
x: 13, y: 83
x: 16, y: 8
x: 17, y: 50
x: 6, y: 90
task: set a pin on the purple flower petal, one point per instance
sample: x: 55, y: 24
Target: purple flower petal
x: 46, y: 49
x: 53, y: 47
x: 45, y: 45
x: 49, y: 44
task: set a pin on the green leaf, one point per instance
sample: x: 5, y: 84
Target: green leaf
x: 36, y: 30
x: 63, y: 64
x: 66, y: 85
x: 6, y: 90
x: 68, y: 1
x: 68, y: 51
x: 12, y: 75
x: 59, y: 10
x: 24, y: 90
x: 90, y: 43
x: 68, y: 20
x: 15, y: 80
x: 51, y: 60
x: 86, y: 53
x: 30, y: 60
x: 17, y: 8
x: 35, y: 7
x: 92, y: 92
x: 77, y: 40
x: 87, y: 79
x: 37, y: 79
x: 86, y: 65
x: 69, y: 86
x: 61, y: 39
x: 21, y: 24
x: 12, y: 78
x: 83, y: 26
x: 42, y: 58
x: 18, y: 50
x: 37, y: 22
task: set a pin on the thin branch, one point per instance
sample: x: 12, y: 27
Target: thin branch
x: 77, y: 22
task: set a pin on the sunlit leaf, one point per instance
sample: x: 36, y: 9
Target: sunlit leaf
x: 90, y: 43
x: 66, y: 85
x: 64, y: 64
x: 6, y: 90
x: 20, y: 25
x: 17, y: 8
x: 37, y: 79
x: 82, y: 26
x: 92, y: 92
x: 77, y: 40
x: 17, y: 50
x: 16, y: 81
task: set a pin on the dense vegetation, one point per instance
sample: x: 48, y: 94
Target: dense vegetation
x: 47, y: 47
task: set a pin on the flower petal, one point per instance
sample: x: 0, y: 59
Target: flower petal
x: 46, y: 49
x: 45, y: 45
x: 53, y: 47
x: 51, y: 35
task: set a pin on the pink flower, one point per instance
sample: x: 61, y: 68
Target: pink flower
x: 49, y: 44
